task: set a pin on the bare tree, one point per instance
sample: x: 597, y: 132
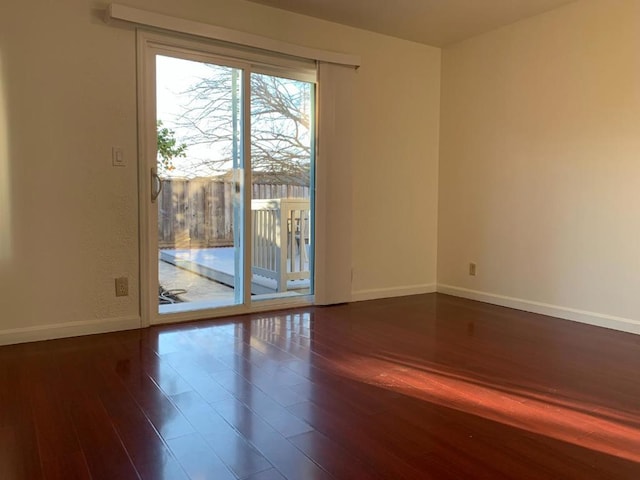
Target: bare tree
x: 280, y: 124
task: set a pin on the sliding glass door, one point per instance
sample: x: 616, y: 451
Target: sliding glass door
x: 199, y: 166
x: 227, y: 174
x: 282, y: 153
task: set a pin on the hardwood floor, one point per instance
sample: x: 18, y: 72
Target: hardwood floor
x: 424, y: 387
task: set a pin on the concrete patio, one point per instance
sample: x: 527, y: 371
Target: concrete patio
x: 217, y: 264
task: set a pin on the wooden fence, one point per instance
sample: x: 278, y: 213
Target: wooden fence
x: 198, y: 213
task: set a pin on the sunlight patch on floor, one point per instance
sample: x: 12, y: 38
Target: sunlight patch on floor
x: 572, y: 421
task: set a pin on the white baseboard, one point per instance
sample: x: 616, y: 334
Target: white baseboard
x: 582, y: 316
x: 71, y: 329
x: 376, y: 293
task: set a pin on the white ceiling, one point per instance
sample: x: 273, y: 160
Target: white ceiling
x: 434, y: 22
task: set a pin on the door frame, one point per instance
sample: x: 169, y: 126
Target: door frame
x: 149, y: 44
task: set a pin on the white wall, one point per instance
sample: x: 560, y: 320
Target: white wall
x: 539, y: 171
x: 69, y: 225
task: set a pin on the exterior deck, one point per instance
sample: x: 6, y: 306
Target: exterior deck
x: 279, y: 244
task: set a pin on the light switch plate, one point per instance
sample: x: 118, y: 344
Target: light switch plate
x: 117, y: 157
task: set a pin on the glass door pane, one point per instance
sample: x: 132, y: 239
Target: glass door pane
x: 282, y: 170
x: 199, y: 164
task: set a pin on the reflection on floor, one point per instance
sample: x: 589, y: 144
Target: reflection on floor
x: 422, y: 387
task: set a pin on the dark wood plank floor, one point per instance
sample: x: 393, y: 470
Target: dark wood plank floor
x: 424, y: 387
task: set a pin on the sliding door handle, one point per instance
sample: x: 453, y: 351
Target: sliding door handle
x: 156, y: 185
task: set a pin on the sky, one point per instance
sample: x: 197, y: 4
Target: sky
x: 173, y: 77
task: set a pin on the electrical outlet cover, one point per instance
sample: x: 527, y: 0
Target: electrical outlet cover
x: 122, y: 287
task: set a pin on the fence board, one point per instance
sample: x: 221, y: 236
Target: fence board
x: 198, y: 213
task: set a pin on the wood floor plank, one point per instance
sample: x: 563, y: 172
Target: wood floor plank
x: 68, y: 467
x: 281, y: 453
x: 239, y: 456
x: 428, y: 387
x: 271, y: 474
x: 100, y: 443
x: 353, y: 435
x: 331, y: 456
x: 198, y: 459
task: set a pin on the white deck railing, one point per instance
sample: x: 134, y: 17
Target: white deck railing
x: 280, y: 239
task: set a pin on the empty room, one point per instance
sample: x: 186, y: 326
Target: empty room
x: 319, y: 240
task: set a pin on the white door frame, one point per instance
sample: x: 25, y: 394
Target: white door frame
x: 149, y: 44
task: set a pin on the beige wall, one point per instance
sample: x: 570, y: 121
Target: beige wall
x: 539, y: 166
x: 68, y: 94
